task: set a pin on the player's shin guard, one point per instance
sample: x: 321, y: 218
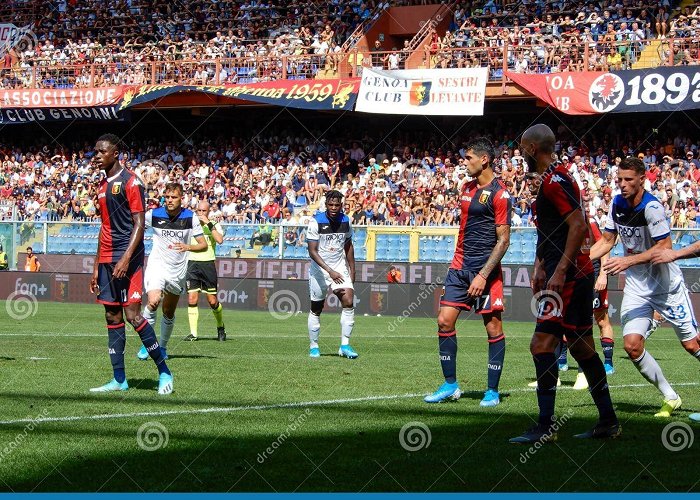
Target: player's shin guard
x: 314, y: 324
x: 218, y: 311
x: 607, y: 345
x: 598, y: 386
x: 193, y: 318
x: 117, y: 345
x: 150, y: 316
x: 148, y: 337
x: 347, y: 322
x: 166, y: 330
x: 497, y: 353
x: 650, y: 370
x: 547, y: 374
x: 447, y: 343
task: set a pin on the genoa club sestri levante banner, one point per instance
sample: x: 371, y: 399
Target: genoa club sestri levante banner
x: 668, y: 88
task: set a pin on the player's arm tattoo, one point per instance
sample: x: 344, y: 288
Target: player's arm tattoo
x: 502, y: 244
x: 139, y: 220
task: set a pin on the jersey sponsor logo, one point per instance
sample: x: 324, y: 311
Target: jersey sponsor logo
x: 466, y: 198
x: 334, y: 238
x: 484, y: 197
x: 171, y: 233
x: 101, y: 195
x: 116, y: 188
x: 629, y: 232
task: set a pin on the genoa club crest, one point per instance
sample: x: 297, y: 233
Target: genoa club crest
x: 116, y: 188
x: 484, y: 197
x: 606, y: 92
x: 420, y: 93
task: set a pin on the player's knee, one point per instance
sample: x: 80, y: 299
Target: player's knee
x: 445, y: 324
x: 214, y: 305
x: 114, y: 317
x: 317, y: 307
x: 634, y: 348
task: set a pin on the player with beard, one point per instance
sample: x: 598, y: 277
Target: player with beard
x: 329, y: 237
x: 563, y: 286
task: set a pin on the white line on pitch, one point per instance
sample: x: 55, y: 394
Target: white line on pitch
x: 231, y: 409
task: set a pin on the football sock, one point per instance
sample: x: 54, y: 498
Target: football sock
x: 497, y: 353
x: 150, y: 316
x: 650, y: 370
x: 598, y: 386
x: 696, y: 354
x: 166, y: 330
x: 347, y: 322
x: 563, y: 349
x: 149, y: 340
x: 314, y: 324
x: 193, y: 318
x: 607, y: 345
x: 447, y: 343
x: 218, y: 311
x: 547, y: 373
x: 117, y: 345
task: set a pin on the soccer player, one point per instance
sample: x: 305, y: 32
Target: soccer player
x: 173, y: 230
x: 329, y: 238
x: 117, y: 276
x: 640, y: 221
x: 474, y: 280
x: 563, y: 285
x: 201, y: 274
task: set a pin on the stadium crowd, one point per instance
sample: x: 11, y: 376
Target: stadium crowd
x: 284, y: 179
x: 84, y: 43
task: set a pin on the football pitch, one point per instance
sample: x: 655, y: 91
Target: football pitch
x: 255, y: 413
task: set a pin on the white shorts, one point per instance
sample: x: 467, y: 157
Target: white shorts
x: 157, y: 278
x: 320, y: 280
x: 637, y: 312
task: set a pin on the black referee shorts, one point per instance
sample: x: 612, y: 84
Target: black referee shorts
x: 201, y: 277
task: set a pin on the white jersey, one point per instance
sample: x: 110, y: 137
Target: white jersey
x: 331, y: 238
x: 166, y: 232
x: 640, y: 228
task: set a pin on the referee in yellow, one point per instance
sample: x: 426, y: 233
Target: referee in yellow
x: 202, y: 276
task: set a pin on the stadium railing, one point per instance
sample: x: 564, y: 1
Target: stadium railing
x: 500, y: 55
x: 283, y: 241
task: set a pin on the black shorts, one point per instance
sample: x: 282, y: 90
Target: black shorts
x: 120, y: 291
x: 201, y: 277
x: 570, y: 313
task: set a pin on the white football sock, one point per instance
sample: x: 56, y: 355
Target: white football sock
x: 166, y: 330
x: 150, y: 316
x: 314, y: 324
x: 650, y: 370
x: 347, y: 322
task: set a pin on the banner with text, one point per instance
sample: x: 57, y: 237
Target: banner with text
x: 666, y: 89
x: 423, y: 91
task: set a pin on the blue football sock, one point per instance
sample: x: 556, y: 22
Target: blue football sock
x: 148, y: 337
x: 607, y: 345
x: 447, y: 342
x: 562, y: 352
x: 497, y: 353
x: 117, y: 344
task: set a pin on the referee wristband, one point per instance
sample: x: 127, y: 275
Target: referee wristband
x: 210, y: 225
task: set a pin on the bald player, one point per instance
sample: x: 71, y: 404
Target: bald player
x: 562, y: 284
x: 202, y: 276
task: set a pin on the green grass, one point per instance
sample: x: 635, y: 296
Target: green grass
x: 337, y: 446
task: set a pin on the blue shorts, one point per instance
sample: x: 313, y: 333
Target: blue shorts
x: 457, y: 284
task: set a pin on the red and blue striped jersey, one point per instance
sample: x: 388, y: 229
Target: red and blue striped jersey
x: 483, y: 208
x: 118, y: 198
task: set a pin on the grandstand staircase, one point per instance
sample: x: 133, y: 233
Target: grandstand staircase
x: 652, y: 55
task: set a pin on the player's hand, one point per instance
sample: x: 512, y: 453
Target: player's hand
x: 601, y: 283
x: 120, y: 268
x: 204, y: 220
x: 538, y: 281
x: 556, y: 282
x: 662, y: 255
x: 476, y: 289
x: 336, y: 277
x: 181, y: 247
x: 94, y: 288
x: 616, y: 265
